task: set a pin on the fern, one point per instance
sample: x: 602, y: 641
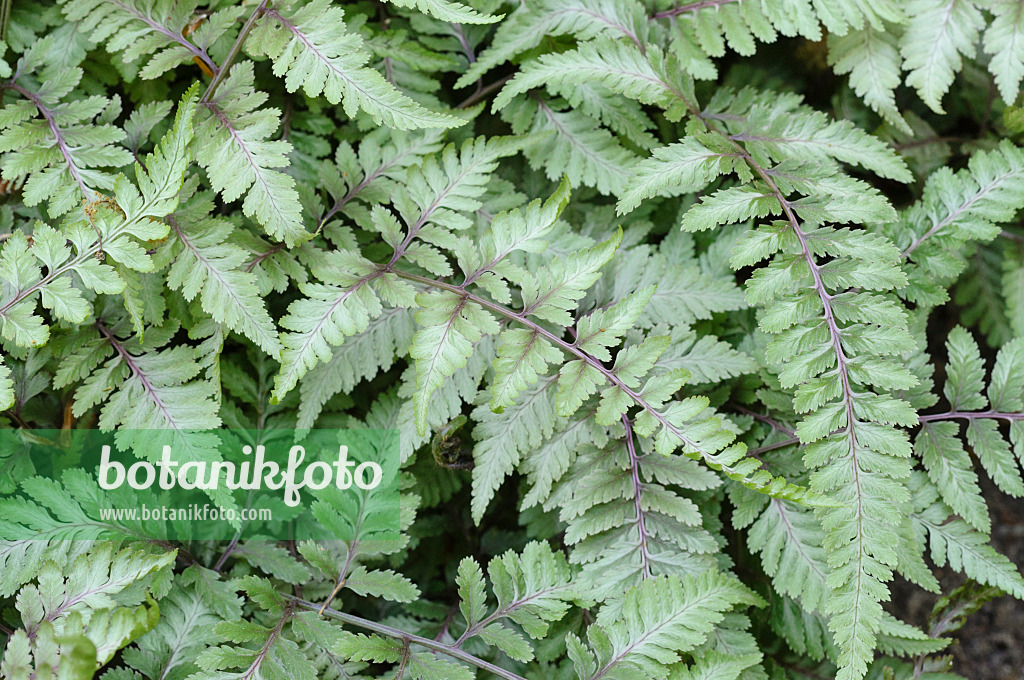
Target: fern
x: 344, y: 305
x: 626, y: 520
x: 937, y: 36
x: 872, y: 59
x: 688, y: 327
x: 205, y: 263
x: 532, y: 590
x: 859, y: 527
x: 113, y: 224
x: 59, y: 148
x: 239, y: 159
x: 956, y: 209
x: 579, y: 149
x: 644, y: 632
x: 184, y: 629
x: 525, y: 28
x: 951, y: 470
x: 1004, y: 40
x: 156, y: 30
x: 6, y: 388
x: 329, y: 60
x: 965, y: 549
x: 446, y: 10
x: 88, y: 605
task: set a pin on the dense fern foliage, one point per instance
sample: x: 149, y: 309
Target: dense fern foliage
x: 700, y: 325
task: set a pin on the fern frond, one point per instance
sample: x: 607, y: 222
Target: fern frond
x: 938, y: 35
x: 449, y: 329
x: 310, y: 46
x: 1013, y: 290
x: 685, y: 167
x: 158, y: 392
x: 385, y: 340
x: 156, y: 29
x: 528, y: 24
x: 950, y: 469
x: 574, y: 145
x: 271, y: 654
x: 91, y: 604
x: 1004, y: 40
x: 706, y: 29
x: 528, y: 428
x: 811, y: 136
x: 184, y: 630
x: 142, y: 387
x: 984, y: 284
x: 6, y: 387
x: 622, y: 68
x: 790, y: 541
x: 89, y: 585
x: 532, y: 589
x: 872, y: 59
x: 239, y: 158
x: 208, y: 265
x: 627, y: 520
x: 59, y: 146
x: 57, y: 522
x: 344, y: 306
x: 706, y: 358
x: 109, y: 227
x: 685, y: 424
x: 653, y: 624
x: 983, y: 414
x: 953, y: 541
x: 850, y: 435
x: 438, y: 192
x: 367, y: 177
x: 430, y: 203
x: 72, y: 655
x: 956, y: 208
x: 447, y: 10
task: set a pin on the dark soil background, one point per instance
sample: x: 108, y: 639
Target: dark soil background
x: 990, y: 646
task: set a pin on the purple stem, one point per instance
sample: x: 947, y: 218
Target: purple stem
x: 251, y: 672
x: 692, y: 7
x: 400, y: 250
x: 136, y: 370
x: 52, y: 274
x: 505, y: 611
x: 227, y: 552
x: 972, y: 415
x: 62, y: 144
x: 483, y: 92
x: 638, y: 490
x: 819, y: 287
x: 567, y: 347
x: 366, y: 181
x: 826, y: 303
x: 262, y: 256
x: 789, y: 441
x: 236, y: 49
x: 198, y: 52
x: 388, y: 631
x: 460, y: 35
